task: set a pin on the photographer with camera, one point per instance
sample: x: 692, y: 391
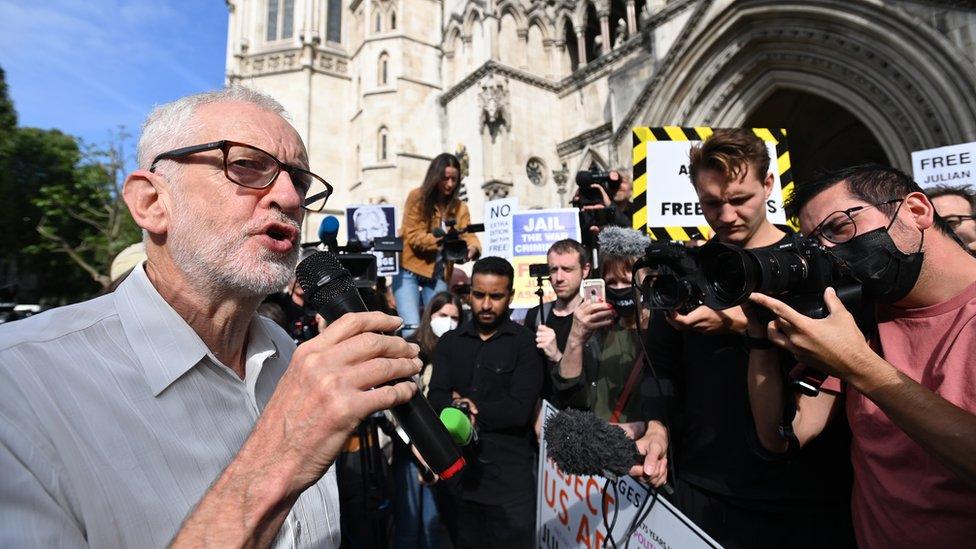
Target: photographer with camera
x: 427, y: 209
x: 603, y: 199
x: 909, y: 389
x: 725, y: 482
x: 602, y: 367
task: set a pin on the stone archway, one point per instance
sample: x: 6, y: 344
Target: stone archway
x: 822, y: 134
x: 910, y: 87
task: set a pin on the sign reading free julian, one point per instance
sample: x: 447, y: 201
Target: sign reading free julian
x: 950, y: 165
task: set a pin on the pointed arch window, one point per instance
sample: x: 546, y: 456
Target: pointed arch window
x: 378, y: 25
x: 333, y: 32
x: 382, y: 144
x: 383, y: 67
x: 393, y: 20
x: 280, y: 20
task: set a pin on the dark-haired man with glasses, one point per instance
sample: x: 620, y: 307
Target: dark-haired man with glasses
x: 910, y: 390
x: 956, y: 205
x: 169, y: 407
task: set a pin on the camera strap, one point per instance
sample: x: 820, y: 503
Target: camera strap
x: 628, y: 388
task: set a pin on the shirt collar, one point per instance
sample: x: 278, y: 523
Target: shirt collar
x: 164, y: 344
x: 506, y: 327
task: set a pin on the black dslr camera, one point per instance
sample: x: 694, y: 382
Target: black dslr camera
x: 797, y: 272
x: 588, y: 196
x: 455, y: 249
x: 679, y: 284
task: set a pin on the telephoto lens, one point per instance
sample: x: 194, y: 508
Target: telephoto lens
x: 798, y: 270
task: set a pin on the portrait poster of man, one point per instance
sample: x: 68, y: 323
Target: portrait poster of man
x: 370, y: 221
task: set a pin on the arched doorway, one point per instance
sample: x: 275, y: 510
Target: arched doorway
x: 869, y: 58
x: 821, y: 133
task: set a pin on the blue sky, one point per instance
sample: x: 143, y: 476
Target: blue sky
x: 88, y: 66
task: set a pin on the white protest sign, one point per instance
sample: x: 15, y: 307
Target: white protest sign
x: 570, y: 508
x: 671, y: 198
x: 498, y: 227
x: 950, y: 165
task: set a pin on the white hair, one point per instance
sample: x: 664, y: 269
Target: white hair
x: 168, y: 125
x: 376, y: 212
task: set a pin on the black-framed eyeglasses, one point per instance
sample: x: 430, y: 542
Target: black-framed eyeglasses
x: 839, y: 227
x: 956, y: 220
x: 251, y: 167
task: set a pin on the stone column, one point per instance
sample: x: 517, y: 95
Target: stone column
x: 491, y: 22
x: 580, y: 45
x: 552, y: 49
x: 523, y: 55
x: 631, y: 18
x: 605, y: 31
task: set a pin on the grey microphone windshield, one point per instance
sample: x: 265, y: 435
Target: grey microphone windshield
x: 582, y: 444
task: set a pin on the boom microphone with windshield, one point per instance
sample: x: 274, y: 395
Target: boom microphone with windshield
x: 330, y: 290
x: 582, y: 444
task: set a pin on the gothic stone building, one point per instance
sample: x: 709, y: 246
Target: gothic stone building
x: 531, y: 91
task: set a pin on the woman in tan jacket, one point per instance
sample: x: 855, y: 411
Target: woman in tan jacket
x: 422, y: 269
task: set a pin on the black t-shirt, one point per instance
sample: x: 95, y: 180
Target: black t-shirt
x: 559, y: 324
x: 714, y: 442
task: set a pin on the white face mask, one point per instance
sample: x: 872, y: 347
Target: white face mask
x: 442, y: 324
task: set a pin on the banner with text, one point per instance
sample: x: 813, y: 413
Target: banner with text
x: 532, y: 233
x: 498, y: 227
x: 666, y: 204
x: 951, y: 165
x: 570, y: 511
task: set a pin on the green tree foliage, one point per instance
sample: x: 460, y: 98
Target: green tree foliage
x: 61, y: 216
x: 8, y: 116
x: 83, y: 215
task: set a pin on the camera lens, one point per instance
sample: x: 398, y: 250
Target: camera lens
x: 732, y: 274
x: 669, y: 292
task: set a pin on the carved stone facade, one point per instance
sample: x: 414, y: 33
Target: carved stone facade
x: 560, y: 83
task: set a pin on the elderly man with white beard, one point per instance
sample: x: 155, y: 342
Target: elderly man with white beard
x: 168, y: 411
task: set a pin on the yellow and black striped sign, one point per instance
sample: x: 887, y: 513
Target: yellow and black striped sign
x: 644, y: 137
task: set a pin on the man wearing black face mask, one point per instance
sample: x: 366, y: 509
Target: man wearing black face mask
x: 606, y: 377
x: 723, y: 479
x: 909, y: 392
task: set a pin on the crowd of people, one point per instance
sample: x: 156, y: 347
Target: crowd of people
x: 170, y: 412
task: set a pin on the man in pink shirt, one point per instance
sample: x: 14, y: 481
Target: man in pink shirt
x: 909, y: 392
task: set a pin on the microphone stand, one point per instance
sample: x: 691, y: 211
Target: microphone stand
x: 540, y: 292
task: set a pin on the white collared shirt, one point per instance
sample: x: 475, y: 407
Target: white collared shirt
x: 115, y: 419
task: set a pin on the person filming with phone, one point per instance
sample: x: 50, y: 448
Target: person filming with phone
x: 601, y: 367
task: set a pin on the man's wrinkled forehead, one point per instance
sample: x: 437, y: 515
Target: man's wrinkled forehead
x: 251, y: 124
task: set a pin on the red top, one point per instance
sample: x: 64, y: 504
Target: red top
x: 903, y: 497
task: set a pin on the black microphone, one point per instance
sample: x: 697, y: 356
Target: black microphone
x: 329, y: 289
x: 582, y: 444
